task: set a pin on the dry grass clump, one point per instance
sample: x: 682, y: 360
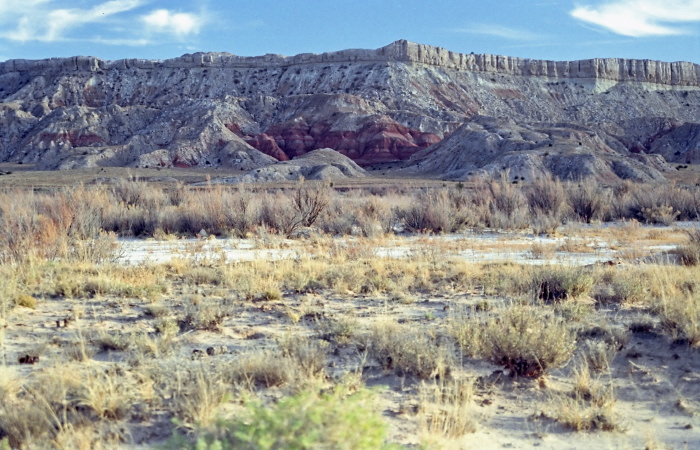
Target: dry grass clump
x: 111, y: 341
x: 338, y: 331
x: 542, y: 251
x: 409, y: 352
x: 267, y: 368
x: 589, y: 406
x: 446, y: 408
x: 88, y: 281
x: 26, y: 301
x: 601, y: 344
x: 465, y: 327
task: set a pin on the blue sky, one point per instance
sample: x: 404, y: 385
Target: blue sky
x: 667, y: 30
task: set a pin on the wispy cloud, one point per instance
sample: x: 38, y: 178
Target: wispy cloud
x: 46, y: 21
x: 639, y: 18
x: 500, y: 31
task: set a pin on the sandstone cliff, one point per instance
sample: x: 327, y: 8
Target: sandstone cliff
x: 371, y: 105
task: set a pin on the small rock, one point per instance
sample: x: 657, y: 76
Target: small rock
x: 217, y: 350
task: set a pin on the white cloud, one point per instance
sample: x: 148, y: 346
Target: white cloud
x: 638, y: 18
x: 108, y: 22
x: 500, y: 31
x: 180, y: 24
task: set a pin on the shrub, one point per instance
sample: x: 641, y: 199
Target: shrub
x: 623, y: 287
x: 409, y: 352
x: 527, y: 340
x: 507, y: 206
x: 661, y: 214
x: 434, y: 212
x: 306, y: 420
x: 588, y: 201
x: 554, y: 285
x: 310, y: 200
x: 546, y: 196
x: 680, y: 318
x: 466, y: 329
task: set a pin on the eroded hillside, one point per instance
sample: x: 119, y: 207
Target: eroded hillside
x: 211, y: 109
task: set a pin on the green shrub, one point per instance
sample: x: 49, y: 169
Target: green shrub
x: 304, y: 421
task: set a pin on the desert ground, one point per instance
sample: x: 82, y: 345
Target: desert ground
x: 417, y: 314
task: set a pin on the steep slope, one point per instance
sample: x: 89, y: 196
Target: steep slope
x: 371, y: 105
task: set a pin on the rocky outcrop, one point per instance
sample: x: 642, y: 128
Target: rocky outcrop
x: 321, y: 164
x: 371, y: 105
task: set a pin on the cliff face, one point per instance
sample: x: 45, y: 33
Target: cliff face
x: 615, y: 69
x: 371, y: 105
